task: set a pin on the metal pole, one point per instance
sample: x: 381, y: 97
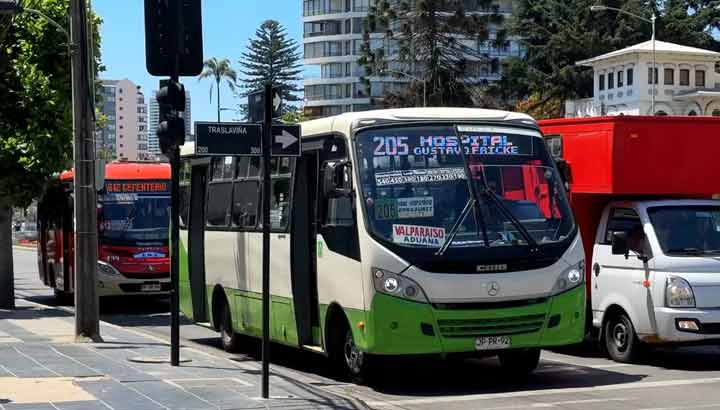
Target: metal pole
x: 654, y: 70
x: 424, y: 92
x: 266, y: 148
x: 87, y: 324
x: 175, y: 207
x: 175, y: 256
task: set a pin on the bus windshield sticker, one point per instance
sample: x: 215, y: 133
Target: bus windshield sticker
x: 405, y: 208
x: 418, y: 235
x: 148, y: 254
x: 417, y: 176
x: 481, y: 143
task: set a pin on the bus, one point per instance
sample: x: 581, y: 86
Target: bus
x: 133, y: 220
x: 441, y: 231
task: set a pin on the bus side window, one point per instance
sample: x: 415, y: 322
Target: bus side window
x: 184, y: 193
x: 246, y: 205
x: 220, y: 193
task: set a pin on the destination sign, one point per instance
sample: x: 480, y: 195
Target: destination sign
x: 136, y: 187
x: 229, y: 138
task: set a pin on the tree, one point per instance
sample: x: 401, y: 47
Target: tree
x: 557, y: 33
x: 219, y: 70
x: 35, y: 113
x: 272, y: 57
x: 294, y: 116
x: 436, y: 41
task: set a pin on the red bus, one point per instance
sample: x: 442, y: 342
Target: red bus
x: 133, y: 218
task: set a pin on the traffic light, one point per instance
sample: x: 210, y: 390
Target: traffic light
x: 173, y: 28
x: 9, y: 7
x: 171, y: 101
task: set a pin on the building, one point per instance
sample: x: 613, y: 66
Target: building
x: 687, y: 82
x: 154, y: 110
x: 125, y: 134
x: 333, y: 35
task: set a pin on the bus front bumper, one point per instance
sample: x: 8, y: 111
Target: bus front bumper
x: 115, y: 285
x: 397, y: 327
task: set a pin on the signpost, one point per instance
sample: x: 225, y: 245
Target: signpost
x: 256, y: 105
x: 228, y: 138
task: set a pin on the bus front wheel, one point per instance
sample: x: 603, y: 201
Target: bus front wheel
x: 520, y: 361
x: 230, y: 339
x: 349, y: 360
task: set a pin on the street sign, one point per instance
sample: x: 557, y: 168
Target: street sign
x: 285, y: 141
x: 256, y: 105
x: 228, y: 138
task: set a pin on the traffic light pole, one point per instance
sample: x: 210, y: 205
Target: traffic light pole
x: 174, y: 265
x: 267, y: 189
x: 87, y: 318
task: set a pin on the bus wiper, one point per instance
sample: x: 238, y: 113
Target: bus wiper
x: 473, y: 191
x: 509, y: 215
x: 456, y: 227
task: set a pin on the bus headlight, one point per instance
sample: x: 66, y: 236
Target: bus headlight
x: 571, y: 278
x: 398, y: 286
x: 679, y: 293
x: 107, y: 269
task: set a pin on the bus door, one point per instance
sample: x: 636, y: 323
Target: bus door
x: 303, y: 231
x: 196, y: 242
x: 66, y: 277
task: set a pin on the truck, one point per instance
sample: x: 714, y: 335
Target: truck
x: 644, y: 192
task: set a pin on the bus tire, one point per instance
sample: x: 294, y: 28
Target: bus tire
x: 230, y: 340
x: 520, y: 362
x: 350, y: 362
x: 619, y: 338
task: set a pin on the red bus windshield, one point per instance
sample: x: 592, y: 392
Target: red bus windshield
x: 134, y: 213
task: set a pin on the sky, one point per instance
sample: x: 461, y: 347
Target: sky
x: 227, y: 26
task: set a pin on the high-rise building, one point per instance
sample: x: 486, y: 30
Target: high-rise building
x: 333, y: 36
x: 125, y: 134
x: 154, y: 110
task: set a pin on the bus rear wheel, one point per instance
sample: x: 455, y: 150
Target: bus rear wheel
x: 230, y: 339
x: 520, y: 362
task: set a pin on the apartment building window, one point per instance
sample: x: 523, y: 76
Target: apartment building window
x: 684, y: 76
x: 651, y: 76
x: 348, y: 27
x: 620, y: 78
x: 699, y: 78
x: 601, y: 82
x: 630, y: 73
x: 361, y: 5
x: 611, y: 81
x: 669, y: 76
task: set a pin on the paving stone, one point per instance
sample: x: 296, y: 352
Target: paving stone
x: 20, y: 366
x: 170, y: 396
x: 81, y: 405
x: 51, y: 359
x: 118, y: 396
x: 103, y: 364
x: 28, y: 406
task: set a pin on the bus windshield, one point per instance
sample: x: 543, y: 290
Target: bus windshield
x: 501, y: 190
x: 134, y: 219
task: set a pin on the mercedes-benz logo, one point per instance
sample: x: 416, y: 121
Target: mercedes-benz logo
x: 493, y: 288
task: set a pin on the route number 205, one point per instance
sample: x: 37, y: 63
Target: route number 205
x: 391, y: 146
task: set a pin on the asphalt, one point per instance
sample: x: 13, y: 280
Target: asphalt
x: 578, y: 377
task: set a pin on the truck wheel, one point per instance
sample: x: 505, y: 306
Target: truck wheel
x: 620, y: 339
x: 520, y: 362
x: 230, y: 339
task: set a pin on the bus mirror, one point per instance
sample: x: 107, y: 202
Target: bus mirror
x: 564, y: 170
x: 620, y: 243
x: 337, y: 179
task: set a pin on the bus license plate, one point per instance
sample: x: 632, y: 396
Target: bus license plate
x: 150, y: 287
x: 492, y: 342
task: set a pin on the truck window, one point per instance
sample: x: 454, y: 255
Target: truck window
x: 622, y: 220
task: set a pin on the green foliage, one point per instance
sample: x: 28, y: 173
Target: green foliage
x: 35, y: 99
x: 557, y: 33
x: 218, y: 70
x: 271, y: 57
x: 430, y: 40
x: 294, y: 116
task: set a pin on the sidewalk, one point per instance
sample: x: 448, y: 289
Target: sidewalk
x: 42, y: 369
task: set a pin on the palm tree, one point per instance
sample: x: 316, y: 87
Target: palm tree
x: 219, y: 70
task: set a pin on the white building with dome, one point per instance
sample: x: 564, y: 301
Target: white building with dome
x: 688, y: 82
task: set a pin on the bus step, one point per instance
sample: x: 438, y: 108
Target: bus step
x: 313, y: 348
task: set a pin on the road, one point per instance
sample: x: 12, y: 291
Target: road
x: 573, y: 378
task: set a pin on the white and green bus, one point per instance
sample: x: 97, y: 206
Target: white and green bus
x: 397, y: 232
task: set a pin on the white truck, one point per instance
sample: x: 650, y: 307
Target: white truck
x: 644, y: 194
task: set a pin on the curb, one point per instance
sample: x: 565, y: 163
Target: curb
x: 200, y: 349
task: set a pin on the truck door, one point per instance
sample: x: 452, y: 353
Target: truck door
x: 617, y: 280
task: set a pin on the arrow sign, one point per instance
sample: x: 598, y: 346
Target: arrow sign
x: 286, y: 141
x: 277, y: 101
x: 256, y: 105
